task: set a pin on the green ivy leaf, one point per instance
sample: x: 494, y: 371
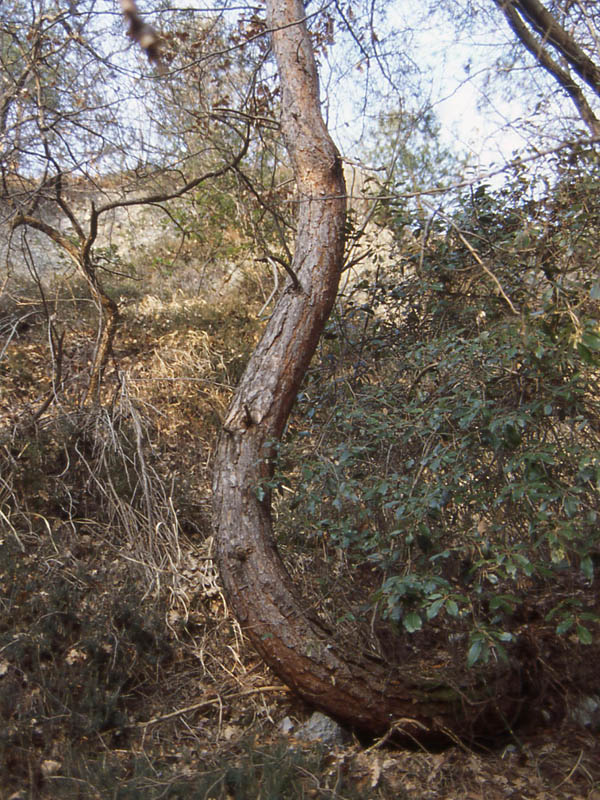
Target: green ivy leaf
x: 584, y: 635
x: 412, y: 622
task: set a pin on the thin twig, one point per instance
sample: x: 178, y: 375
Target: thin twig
x: 488, y: 271
x: 206, y: 703
x: 275, y: 287
x: 479, y: 260
x: 564, y: 780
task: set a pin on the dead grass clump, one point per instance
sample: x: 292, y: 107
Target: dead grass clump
x: 92, y: 468
x: 97, y: 677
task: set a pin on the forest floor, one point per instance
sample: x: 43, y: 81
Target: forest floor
x: 122, y: 672
x: 106, y: 693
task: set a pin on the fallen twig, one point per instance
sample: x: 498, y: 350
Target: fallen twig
x: 206, y: 704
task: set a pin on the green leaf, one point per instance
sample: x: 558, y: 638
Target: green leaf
x: 584, y: 635
x: 587, y: 567
x: 571, y: 506
x: 452, y: 608
x: 565, y: 625
x: 590, y: 616
x: 412, y: 622
x: 474, y: 652
x: 434, y: 608
x: 585, y: 353
x: 503, y: 602
x: 591, y: 340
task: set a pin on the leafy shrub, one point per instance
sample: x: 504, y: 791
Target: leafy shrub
x: 451, y: 439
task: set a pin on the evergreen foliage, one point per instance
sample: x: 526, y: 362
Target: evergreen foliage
x: 448, y: 435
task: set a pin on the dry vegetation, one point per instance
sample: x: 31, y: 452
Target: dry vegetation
x: 122, y: 672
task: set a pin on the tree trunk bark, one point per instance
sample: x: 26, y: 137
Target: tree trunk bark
x: 360, y: 691
x: 550, y: 30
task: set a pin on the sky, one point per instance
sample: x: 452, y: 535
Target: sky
x: 489, y: 121
x: 455, y: 94
x: 485, y: 113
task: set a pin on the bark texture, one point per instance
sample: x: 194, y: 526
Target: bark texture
x: 358, y: 690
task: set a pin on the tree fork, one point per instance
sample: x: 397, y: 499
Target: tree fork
x: 108, y: 311
x: 360, y: 691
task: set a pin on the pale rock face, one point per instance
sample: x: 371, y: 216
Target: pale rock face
x: 126, y: 228
x: 322, y: 728
x: 140, y: 235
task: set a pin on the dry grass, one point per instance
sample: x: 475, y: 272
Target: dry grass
x: 122, y: 672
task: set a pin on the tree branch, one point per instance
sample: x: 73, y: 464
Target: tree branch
x: 547, y: 26
x: 545, y: 60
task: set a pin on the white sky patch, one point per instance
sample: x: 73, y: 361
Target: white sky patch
x: 484, y: 113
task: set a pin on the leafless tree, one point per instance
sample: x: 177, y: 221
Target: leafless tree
x: 77, y: 104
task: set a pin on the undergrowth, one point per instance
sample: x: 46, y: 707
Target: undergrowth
x: 438, y: 501
x: 446, y: 442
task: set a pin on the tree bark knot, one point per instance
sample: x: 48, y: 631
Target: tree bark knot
x: 242, y: 552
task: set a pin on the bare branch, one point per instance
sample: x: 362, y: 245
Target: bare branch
x: 539, y: 52
x: 548, y: 27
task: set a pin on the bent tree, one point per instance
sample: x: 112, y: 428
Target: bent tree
x: 360, y: 691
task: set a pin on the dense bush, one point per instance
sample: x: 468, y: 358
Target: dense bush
x: 449, y: 433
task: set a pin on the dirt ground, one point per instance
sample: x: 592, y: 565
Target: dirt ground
x: 107, y: 694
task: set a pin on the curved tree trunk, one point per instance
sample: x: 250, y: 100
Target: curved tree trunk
x: 360, y: 691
